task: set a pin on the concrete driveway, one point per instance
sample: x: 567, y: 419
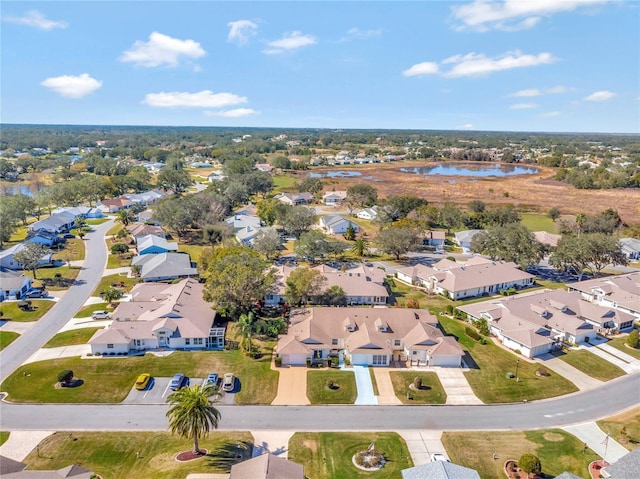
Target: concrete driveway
x: 422, y: 444
x: 292, y: 386
x: 386, y: 394
x: 456, y: 386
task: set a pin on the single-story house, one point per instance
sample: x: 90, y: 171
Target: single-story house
x: 241, y: 222
x: 146, y: 217
x: 8, y: 261
x: 463, y: 239
x: 145, y: 198
x: 13, y: 285
x: 113, y: 205
x: 140, y: 230
x: 476, y: 277
x: 368, y: 213
x: 161, y: 316
x: 336, y: 224
x: 295, y: 199
x: 44, y: 237
x: 630, y: 248
x: 361, y: 285
x: 537, y: 322
x: 79, y: 211
x: 164, y: 266
x: 620, y: 292
x: 267, y: 466
x: 248, y: 235
x: 266, y: 167
x: 152, y: 244
x: 367, y: 337
x: 56, y: 224
x: 435, y: 239
x: 334, y: 197
x: 440, y: 470
x: 12, y: 469
x: 216, y: 176
x: 546, y: 238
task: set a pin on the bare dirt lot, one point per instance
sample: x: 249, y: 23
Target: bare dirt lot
x: 537, y: 192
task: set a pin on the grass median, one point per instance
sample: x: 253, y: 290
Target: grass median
x: 620, y: 343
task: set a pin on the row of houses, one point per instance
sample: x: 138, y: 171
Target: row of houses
x: 113, y: 205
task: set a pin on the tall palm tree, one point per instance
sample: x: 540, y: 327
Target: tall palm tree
x: 125, y: 216
x: 581, y: 219
x: 192, y: 414
x: 360, y: 247
x: 246, y: 326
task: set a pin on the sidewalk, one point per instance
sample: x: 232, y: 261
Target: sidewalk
x: 421, y: 444
x: 603, y: 445
x: 624, y: 361
x: 44, y: 354
x: 21, y: 443
x: 364, y: 385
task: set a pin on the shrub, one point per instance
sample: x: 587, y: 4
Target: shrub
x: 308, y: 362
x: 417, y: 382
x: 449, y: 309
x: 330, y: 384
x: 530, y: 463
x: 517, y: 351
x: 413, y: 304
x: 633, y: 340
x: 65, y: 376
x: 542, y: 372
x: 472, y: 333
x: 278, y: 361
x: 119, y: 248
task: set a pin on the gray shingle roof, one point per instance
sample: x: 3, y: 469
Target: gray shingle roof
x: 440, y: 470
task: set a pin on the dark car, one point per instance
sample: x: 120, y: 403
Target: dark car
x: 68, y: 236
x: 178, y: 382
x: 36, y: 293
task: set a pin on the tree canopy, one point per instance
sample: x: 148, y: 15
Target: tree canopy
x: 513, y: 242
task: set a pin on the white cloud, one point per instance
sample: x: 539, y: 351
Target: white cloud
x: 201, y: 99
x: 466, y: 126
x: 525, y: 93
x: 235, y: 113
x: 603, y: 95
x: 162, y: 50
x: 357, y: 34
x: 73, y: 86
x: 512, y: 15
x: 424, y: 68
x: 33, y: 18
x: 556, y: 89
x: 523, y: 106
x: 550, y: 114
x: 290, y: 41
x: 241, y: 31
x: 478, y: 64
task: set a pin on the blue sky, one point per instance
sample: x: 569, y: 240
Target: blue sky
x: 515, y: 65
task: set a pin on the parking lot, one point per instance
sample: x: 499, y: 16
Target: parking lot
x: 158, y: 389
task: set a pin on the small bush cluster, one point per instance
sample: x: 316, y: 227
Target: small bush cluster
x: 119, y: 248
x: 368, y: 459
x: 65, y: 376
x: 472, y: 333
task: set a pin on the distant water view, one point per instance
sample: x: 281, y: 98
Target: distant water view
x: 480, y: 170
x: 335, y: 174
x: 16, y: 190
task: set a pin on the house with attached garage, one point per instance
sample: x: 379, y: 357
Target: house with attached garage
x: 295, y: 199
x: 54, y: 224
x: 80, y: 211
x: 463, y: 239
x: 630, y: 248
x: 477, y: 276
x: 113, y: 205
x: 336, y: 224
x: 368, y: 213
x: 535, y: 323
x: 152, y: 244
x: 621, y: 292
x: 435, y: 239
x: 141, y: 230
x: 334, y: 197
x: 161, y: 316
x: 13, y: 285
x: 164, y: 266
x: 367, y: 337
x: 8, y: 261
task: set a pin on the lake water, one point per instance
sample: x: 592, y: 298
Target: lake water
x: 481, y: 170
x: 335, y: 174
x: 17, y: 190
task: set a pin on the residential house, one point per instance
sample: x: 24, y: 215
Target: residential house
x: 248, y: 235
x: 241, y: 221
x: 295, y: 199
x: 55, y: 224
x: 152, y: 244
x: 164, y: 266
x: 145, y: 198
x: 266, y: 167
x: 368, y: 213
x: 216, y: 176
x: 439, y: 470
x: 435, y: 239
x: 13, y: 285
x: 141, y: 230
x: 12, y: 469
x: 79, y: 211
x: 463, y: 239
x: 546, y: 238
x: 44, y: 237
x: 476, y: 277
x: 334, y: 197
x: 630, y: 248
x: 146, y: 217
x: 367, y: 337
x: 161, y: 316
x: 113, y: 205
x: 7, y: 259
x: 361, y: 285
x: 267, y: 466
x: 535, y: 323
x: 626, y: 467
x: 336, y: 224
x: 621, y: 292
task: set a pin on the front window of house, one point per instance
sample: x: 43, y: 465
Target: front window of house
x: 109, y: 346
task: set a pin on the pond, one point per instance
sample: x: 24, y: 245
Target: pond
x: 481, y: 170
x: 335, y: 174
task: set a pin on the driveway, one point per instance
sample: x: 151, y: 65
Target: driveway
x: 292, y: 386
x: 364, y: 385
x: 422, y: 444
x: 386, y: 394
x: 577, y: 377
x: 624, y: 361
x: 45, y: 354
x: 604, y: 445
x: 456, y: 386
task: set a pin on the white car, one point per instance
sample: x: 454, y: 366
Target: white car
x: 436, y: 456
x: 100, y: 315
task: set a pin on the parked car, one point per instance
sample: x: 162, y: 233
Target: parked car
x: 69, y: 236
x: 228, y: 382
x: 212, y: 379
x: 100, y: 314
x: 37, y: 293
x: 143, y: 381
x: 436, y: 456
x: 178, y: 382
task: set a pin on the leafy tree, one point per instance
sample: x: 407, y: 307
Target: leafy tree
x: 312, y: 185
x: 192, y: 414
x: 246, y: 325
x: 30, y: 256
x: 502, y: 215
x: 270, y: 210
x: 8, y: 223
x: 477, y: 206
x: 65, y: 376
x: 513, y: 242
x: 334, y: 296
x: 592, y: 251
x: 632, y: 339
x: 312, y: 244
x: 398, y: 207
x: 450, y: 216
x: 176, y: 180
x: 170, y: 213
x: 111, y: 295
x: 236, y: 278
x: 302, y: 284
x: 298, y: 219
x: 350, y: 233
x: 257, y: 182
x: 236, y: 192
x: 554, y: 213
x: 217, y: 233
x: 530, y: 463
x: 125, y: 216
x: 19, y: 207
x: 360, y: 247
x: 267, y: 242
x: 119, y: 248
x: 362, y: 194
x: 281, y: 162
x: 397, y: 241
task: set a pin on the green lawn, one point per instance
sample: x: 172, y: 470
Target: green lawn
x: 71, y: 337
x: 6, y: 338
x: 374, y: 382
x: 489, y: 382
x: 329, y: 455
x: 114, y: 281
x: 319, y: 393
x: 282, y: 182
x: 630, y: 420
x: 539, y: 222
x: 591, y: 364
x: 47, y: 277
x: 114, y: 229
x: 4, y: 435
x: 11, y: 312
x: 109, y: 380
x: 86, y: 311
x: 74, y: 250
x: 96, y: 221
x: 194, y: 250
x: 432, y: 391
x: 621, y: 344
x: 113, y: 454
x: 558, y: 451
x: 118, y: 260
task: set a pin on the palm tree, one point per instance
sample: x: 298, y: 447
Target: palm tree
x: 245, y: 323
x: 192, y: 414
x: 125, y: 216
x: 581, y: 219
x: 111, y: 295
x: 360, y: 247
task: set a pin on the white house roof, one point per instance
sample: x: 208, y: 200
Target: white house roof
x: 465, y: 236
x: 164, y: 265
x: 240, y: 222
x: 439, y: 470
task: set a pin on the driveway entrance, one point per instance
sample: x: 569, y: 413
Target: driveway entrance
x: 292, y: 386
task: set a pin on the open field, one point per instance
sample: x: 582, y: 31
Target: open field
x: 343, y: 392
x: 114, y: 454
x: 591, y: 364
x: 11, y: 312
x: 109, y: 380
x: 630, y: 420
x: 558, y: 451
x: 534, y: 192
x: 432, y: 391
x: 71, y: 337
x: 328, y: 455
x: 6, y: 338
